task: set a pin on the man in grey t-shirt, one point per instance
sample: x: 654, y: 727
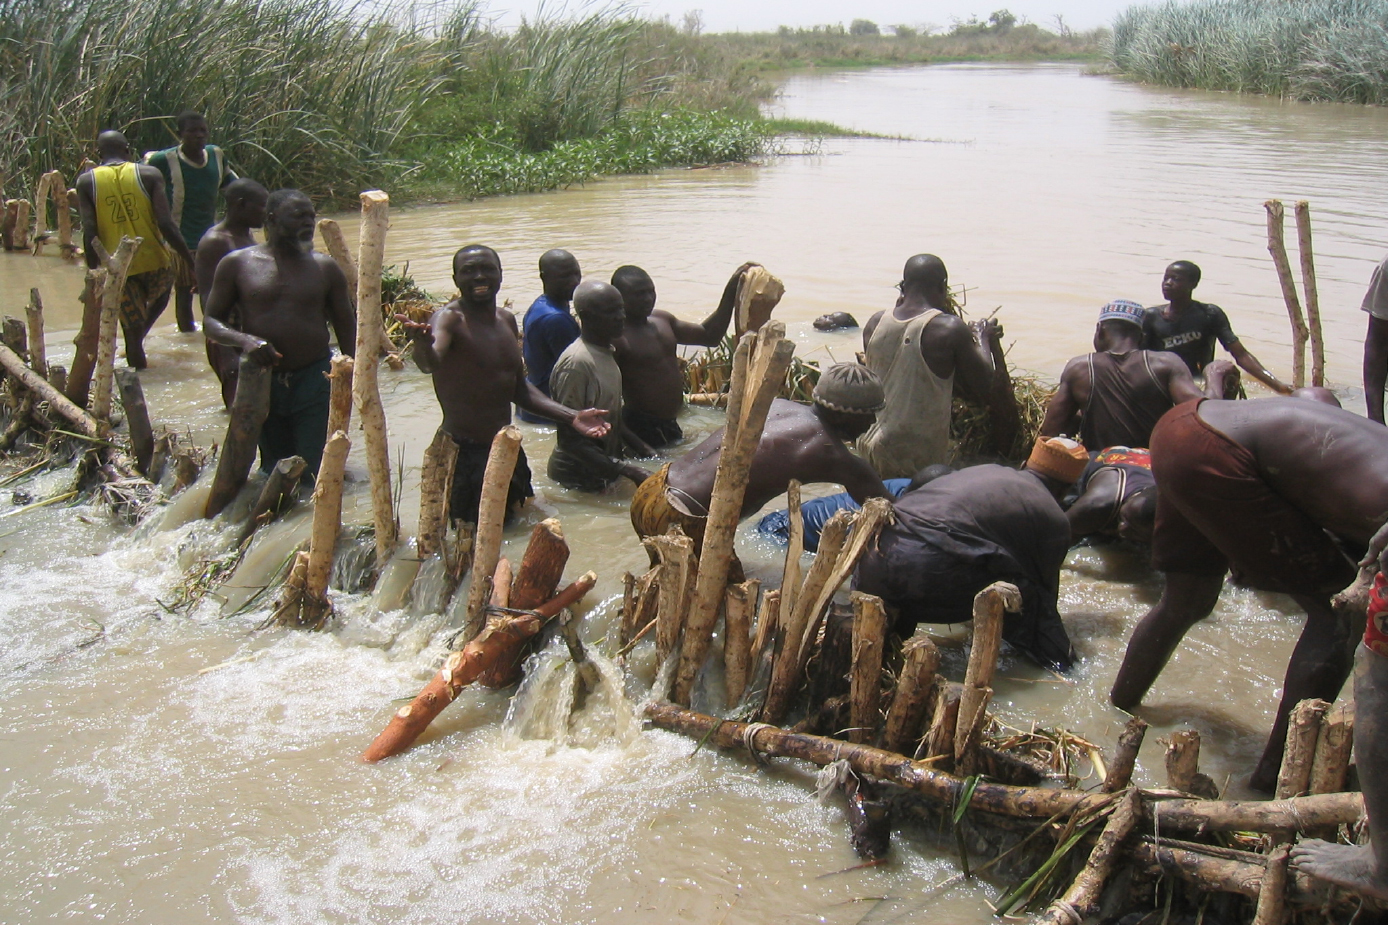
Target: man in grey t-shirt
x: 1376, y: 341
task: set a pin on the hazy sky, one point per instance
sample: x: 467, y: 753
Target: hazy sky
x: 763, y: 15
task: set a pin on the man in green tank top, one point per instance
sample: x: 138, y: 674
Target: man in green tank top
x: 194, y: 171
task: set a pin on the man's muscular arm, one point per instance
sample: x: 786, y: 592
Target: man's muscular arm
x: 217, y: 311
x: 1063, y: 413
x: 711, y: 331
x: 858, y: 478
x: 1180, y: 384
x: 210, y: 253
x: 338, y: 306
x: 1255, y: 368
x: 590, y: 422
x: 432, y: 339
x: 86, y: 209
x: 153, y: 182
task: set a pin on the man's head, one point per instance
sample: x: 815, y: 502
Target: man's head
x: 1138, y: 515
x: 1058, y: 461
x: 848, y: 397
x: 600, y: 313
x: 1179, y: 281
x: 1120, y: 323
x: 290, y: 220
x: 925, y: 276
x: 246, y: 202
x: 111, y: 145
x: 637, y: 289
x: 477, y: 274
x: 560, y: 274
x: 192, y: 131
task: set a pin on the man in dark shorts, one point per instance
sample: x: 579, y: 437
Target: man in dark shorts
x: 471, y: 347
x: 1116, y: 395
x: 1189, y: 328
x: 963, y: 531
x: 245, y: 211
x: 1116, y: 496
x: 549, y: 326
x: 652, y: 382
x: 586, y: 375
x: 1278, y: 490
x: 284, y: 298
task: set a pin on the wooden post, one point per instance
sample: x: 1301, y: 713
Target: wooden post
x: 277, y: 494
x: 62, y: 206
x: 641, y: 606
x: 1081, y: 900
x: 1182, y: 760
x: 248, y: 412
x: 289, y: 609
x: 536, y: 581
x: 1277, y: 247
x: 906, y: 715
x: 327, y: 523
x: 677, y: 565
x: 1120, y: 769
x: 795, y: 549
x: 737, y: 644
x: 112, y: 287
x: 340, y: 394
x: 1272, y: 898
x: 375, y: 219
x: 764, y: 374
x: 435, y: 486
x: 38, y: 351
x: 989, y: 605
x: 462, y: 668
x: 1333, y: 750
x: 79, y: 378
x: 1313, y: 300
x: 7, y: 224
x: 869, y: 634
x: 491, y: 517
x: 20, y: 240
x: 132, y: 399
x: 14, y: 365
x: 41, y: 197
x: 939, y: 739
x: 1303, y: 732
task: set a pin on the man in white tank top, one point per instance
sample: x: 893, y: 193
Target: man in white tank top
x: 918, y: 349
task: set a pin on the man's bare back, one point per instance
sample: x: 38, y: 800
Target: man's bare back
x: 216, y: 244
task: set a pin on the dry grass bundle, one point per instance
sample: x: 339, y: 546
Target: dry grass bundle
x: 972, y: 432
x: 710, y: 373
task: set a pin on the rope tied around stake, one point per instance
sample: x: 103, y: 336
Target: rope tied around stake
x: 749, y: 734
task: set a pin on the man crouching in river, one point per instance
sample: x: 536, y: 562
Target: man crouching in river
x: 797, y: 443
x: 472, y: 349
x: 284, y: 296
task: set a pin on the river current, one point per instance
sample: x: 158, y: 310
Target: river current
x: 159, y: 765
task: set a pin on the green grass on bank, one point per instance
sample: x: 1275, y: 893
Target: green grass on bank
x: 1299, y: 49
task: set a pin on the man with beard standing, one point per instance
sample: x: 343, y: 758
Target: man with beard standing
x: 284, y: 296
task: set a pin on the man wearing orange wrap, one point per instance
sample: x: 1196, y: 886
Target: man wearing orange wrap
x: 1287, y: 494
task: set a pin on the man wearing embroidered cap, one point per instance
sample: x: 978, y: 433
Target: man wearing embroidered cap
x: 961, y: 532
x: 1115, y: 395
x: 798, y: 442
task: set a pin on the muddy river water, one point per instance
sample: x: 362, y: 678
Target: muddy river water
x: 162, y: 766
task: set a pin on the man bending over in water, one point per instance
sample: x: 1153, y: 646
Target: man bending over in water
x: 652, y: 384
x: 245, y: 210
x: 472, y: 349
x: 1276, y: 489
x: 284, y: 296
x: 797, y: 443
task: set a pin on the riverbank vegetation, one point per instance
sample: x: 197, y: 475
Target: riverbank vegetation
x: 1299, y: 49
x: 428, y: 100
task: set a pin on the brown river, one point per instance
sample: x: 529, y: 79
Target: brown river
x: 160, y: 766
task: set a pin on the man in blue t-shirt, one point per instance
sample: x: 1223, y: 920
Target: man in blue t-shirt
x: 549, y: 326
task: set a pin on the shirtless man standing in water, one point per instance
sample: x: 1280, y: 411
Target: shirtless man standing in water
x: 284, y: 296
x: 472, y: 349
x: 652, y: 384
x: 245, y: 211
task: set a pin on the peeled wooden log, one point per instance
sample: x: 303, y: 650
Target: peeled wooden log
x: 740, y: 601
x: 81, y: 421
x: 795, y: 549
x: 1120, y: 769
x: 340, y: 394
x: 758, y: 294
x: 1277, y: 247
x: 375, y: 219
x: 38, y: 351
x: 640, y: 607
x: 906, y: 715
x: 1272, y: 894
x: 869, y: 634
x: 79, y: 378
x: 677, y: 572
x: 342, y: 255
x: 42, y: 194
x: 289, y: 609
x: 1308, y: 284
x: 327, y: 523
x: 462, y: 668
x: 830, y: 673
x: 1303, y: 732
x: 988, y: 609
x: 132, y: 399
x: 535, y: 582
x: 1182, y: 760
x: 491, y: 517
x: 62, y: 204
x: 1334, y: 748
x: 435, y: 487
x: 939, y: 739
x: 277, y: 494
x: 1298, y: 814
x: 746, y: 419
x: 111, y: 290
x: 249, y: 410
x: 1081, y: 900
x: 20, y: 239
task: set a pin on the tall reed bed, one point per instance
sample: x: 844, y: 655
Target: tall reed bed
x: 1299, y: 49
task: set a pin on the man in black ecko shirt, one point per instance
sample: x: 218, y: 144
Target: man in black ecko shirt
x: 1189, y: 328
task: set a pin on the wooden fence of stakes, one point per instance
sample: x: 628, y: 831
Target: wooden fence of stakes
x: 1306, y: 327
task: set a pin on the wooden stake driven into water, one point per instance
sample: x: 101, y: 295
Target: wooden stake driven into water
x: 375, y: 219
x: 491, y: 517
x: 1120, y: 769
x: 535, y: 582
x: 137, y: 423
x: 277, y: 494
x: 1277, y: 247
x: 342, y: 255
x: 1081, y: 900
x: 869, y: 632
x: 906, y: 715
x: 340, y: 395
x: 738, y: 607
x: 38, y: 350
x: 1303, y: 733
x: 20, y: 235
x: 7, y: 224
x: 989, y: 606
x: 248, y: 412
x: 677, y: 573
x: 112, y: 287
x: 327, y: 524
x: 1334, y: 747
x: 435, y: 483
x: 1308, y: 285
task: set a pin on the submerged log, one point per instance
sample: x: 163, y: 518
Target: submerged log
x: 1313, y: 300
x: 435, y: 485
x: 81, y: 421
x: 375, y: 219
x: 1303, y: 733
x: 1120, y: 769
x: 740, y: 602
x: 906, y: 715
x: 535, y: 582
x: 869, y: 633
x: 277, y: 494
x: 132, y: 399
x: 249, y: 410
x: 1277, y: 247
x: 462, y: 668
x: 491, y: 518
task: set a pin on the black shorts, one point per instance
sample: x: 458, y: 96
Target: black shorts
x: 658, y: 432
x: 468, y: 472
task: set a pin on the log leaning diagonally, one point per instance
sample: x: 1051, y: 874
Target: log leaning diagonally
x: 249, y: 410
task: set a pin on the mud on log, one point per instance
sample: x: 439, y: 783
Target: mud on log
x: 249, y: 410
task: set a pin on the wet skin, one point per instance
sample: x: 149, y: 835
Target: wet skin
x: 651, y: 378
x: 1327, y: 463
x: 799, y: 442
x: 283, y: 294
x: 230, y: 234
x: 472, y: 349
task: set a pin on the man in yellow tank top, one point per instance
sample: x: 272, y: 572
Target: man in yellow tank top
x: 123, y: 198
